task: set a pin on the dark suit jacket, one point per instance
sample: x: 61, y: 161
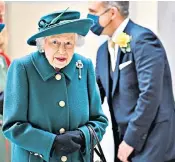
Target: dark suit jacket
x: 142, y: 91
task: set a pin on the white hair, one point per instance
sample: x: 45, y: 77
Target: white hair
x: 80, y: 40
x: 40, y: 44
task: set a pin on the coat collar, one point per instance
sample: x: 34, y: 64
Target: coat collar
x: 69, y: 70
x: 46, y: 71
x: 129, y: 27
x: 120, y: 29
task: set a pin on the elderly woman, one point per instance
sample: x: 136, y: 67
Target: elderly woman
x: 51, y: 95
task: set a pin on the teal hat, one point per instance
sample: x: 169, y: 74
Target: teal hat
x: 59, y: 23
x: 2, y: 27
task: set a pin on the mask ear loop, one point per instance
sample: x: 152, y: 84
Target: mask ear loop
x: 104, y: 11
x: 103, y: 14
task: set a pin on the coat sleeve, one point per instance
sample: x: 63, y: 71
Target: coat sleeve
x: 149, y: 58
x: 97, y: 119
x: 16, y: 126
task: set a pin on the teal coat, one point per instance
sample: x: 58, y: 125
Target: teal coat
x: 37, y: 106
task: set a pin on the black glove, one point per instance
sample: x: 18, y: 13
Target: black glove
x: 80, y: 136
x: 65, y: 144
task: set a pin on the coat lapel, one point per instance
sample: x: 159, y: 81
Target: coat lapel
x: 45, y: 70
x: 117, y: 72
x: 105, y: 65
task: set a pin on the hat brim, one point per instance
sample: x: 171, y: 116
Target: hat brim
x: 79, y: 26
x: 2, y: 27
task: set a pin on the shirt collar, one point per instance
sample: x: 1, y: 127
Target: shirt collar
x: 120, y: 29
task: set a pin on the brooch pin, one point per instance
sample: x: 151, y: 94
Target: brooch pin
x: 79, y: 65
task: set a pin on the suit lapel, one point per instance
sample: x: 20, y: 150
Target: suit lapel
x: 117, y: 72
x: 105, y: 65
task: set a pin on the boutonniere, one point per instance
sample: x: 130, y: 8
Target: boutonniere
x: 123, y: 40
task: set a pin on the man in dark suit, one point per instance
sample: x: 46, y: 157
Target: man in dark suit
x: 132, y: 71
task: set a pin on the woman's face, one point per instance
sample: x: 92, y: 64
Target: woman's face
x: 59, y: 49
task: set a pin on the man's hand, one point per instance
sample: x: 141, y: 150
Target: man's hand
x: 124, y: 151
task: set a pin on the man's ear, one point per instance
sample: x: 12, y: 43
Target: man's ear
x: 115, y: 12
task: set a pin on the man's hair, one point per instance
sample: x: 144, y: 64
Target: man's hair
x: 122, y: 6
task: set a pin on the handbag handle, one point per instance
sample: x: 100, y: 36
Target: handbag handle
x: 100, y: 152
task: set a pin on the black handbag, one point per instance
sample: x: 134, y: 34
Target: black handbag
x: 98, y: 151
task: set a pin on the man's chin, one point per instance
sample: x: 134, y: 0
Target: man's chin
x: 105, y: 32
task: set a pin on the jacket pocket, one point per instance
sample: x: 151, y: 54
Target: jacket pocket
x: 162, y: 115
x: 125, y: 64
x: 127, y: 67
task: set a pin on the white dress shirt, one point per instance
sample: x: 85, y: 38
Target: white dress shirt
x: 113, y: 51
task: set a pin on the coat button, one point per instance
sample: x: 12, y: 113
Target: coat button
x: 41, y: 156
x: 36, y: 154
x: 62, y: 103
x: 58, y: 77
x: 63, y: 158
x: 62, y: 130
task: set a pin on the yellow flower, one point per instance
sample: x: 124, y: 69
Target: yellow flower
x: 122, y: 40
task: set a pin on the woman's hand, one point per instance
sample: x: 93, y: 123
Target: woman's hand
x: 67, y: 143
x: 80, y: 137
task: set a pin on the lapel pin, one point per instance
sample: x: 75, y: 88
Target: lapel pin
x: 79, y: 65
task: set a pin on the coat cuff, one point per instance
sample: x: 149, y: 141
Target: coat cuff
x: 135, y: 139
x: 86, y: 134
x: 46, y: 155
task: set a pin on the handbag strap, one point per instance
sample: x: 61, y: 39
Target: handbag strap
x: 100, y: 152
x: 91, y: 146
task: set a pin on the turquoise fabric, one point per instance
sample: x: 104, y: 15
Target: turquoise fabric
x: 2, y: 27
x: 33, y: 115
x: 61, y: 22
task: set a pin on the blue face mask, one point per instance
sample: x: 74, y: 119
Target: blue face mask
x: 96, y: 28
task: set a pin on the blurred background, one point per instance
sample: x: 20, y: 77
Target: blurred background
x: 21, y: 19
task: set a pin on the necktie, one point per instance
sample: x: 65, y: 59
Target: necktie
x: 111, y: 43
